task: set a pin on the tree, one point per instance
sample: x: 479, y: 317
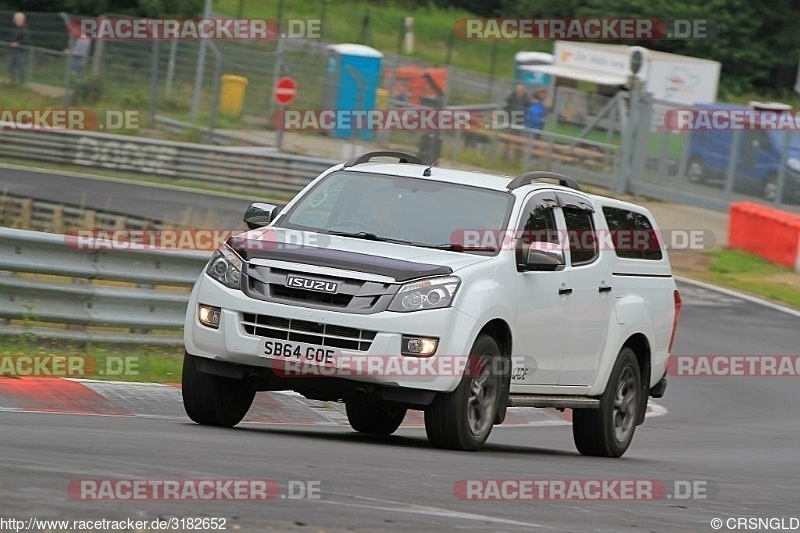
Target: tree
x: 755, y: 39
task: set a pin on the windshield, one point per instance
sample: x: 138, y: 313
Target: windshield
x: 416, y: 211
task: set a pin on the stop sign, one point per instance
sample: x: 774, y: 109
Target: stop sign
x: 285, y: 91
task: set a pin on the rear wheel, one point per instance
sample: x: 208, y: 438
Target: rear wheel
x: 374, y: 417
x: 463, y: 419
x: 608, y: 431
x: 214, y: 400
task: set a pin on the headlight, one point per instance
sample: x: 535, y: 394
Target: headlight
x: 427, y: 294
x: 226, y: 267
x: 794, y: 164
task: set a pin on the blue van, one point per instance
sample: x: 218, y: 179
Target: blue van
x: 758, y: 162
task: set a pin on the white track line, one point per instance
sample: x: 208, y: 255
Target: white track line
x: 740, y: 295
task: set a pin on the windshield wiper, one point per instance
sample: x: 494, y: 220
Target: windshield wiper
x: 455, y: 247
x: 357, y: 235
x: 367, y: 236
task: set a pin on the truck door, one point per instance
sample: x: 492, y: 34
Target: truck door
x: 590, y: 304
x: 542, y: 300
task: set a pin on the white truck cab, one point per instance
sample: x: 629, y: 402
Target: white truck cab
x: 396, y: 286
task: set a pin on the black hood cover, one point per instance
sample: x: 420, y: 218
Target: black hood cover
x: 398, y: 269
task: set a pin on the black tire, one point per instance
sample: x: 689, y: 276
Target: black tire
x: 374, y: 418
x: 463, y: 419
x: 608, y: 431
x: 695, y: 171
x: 214, y: 400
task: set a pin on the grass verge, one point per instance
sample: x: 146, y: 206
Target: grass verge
x: 744, y: 272
x: 113, y: 362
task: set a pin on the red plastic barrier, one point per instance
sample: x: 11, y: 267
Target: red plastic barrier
x: 767, y: 232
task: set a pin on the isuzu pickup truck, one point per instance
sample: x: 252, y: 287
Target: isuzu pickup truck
x: 396, y: 285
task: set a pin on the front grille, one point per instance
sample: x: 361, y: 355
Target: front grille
x: 290, y: 293
x: 352, y: 295
x: 287, y: 329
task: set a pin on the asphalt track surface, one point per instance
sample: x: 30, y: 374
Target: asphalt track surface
x: 737, y: 435
x: 125, y: 197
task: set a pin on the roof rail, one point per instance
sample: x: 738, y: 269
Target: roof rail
x: 365, y: 158
x: 529, y: 177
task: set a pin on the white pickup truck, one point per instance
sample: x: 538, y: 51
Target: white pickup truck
x: 395, y: 286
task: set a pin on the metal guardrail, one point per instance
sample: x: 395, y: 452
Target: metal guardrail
x: 41, y: 215
x: 81, y: 296
x: 274, y: 174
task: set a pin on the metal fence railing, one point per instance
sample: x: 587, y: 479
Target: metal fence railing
x: 40, y: 215
x: 52, y: 289
x: 275, y: 174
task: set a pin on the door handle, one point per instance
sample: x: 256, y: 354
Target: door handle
x: 564, y: 290
x: 604, y: 288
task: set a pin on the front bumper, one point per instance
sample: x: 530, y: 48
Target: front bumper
x: 455, y: 330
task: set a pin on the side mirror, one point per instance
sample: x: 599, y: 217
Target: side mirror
x: 543, y: 257
x: 259, y: 215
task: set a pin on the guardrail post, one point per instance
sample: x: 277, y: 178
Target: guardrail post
x: 732, y: 160
x: 89, y: 219
x: 25, y: 214
x: 57, y: 224
x: 779, y: 186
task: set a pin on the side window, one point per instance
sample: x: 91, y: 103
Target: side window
x: 538, y: 224
x: 582, y: 237
x: 632, y: 234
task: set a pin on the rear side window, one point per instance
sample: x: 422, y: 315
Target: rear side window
x: 632, y: 234
x: 582, y: 238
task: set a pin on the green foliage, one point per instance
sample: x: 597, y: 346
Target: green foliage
x: 754, y: 39
x: 142, y: 8
x: 87, y: 90
x: 172, y: 8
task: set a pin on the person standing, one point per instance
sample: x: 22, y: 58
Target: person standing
x: 19, y: 39
x: 535, y: 114
x: 79, y: 54
x: 516, y: 105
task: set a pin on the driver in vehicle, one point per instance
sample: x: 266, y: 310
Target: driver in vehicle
x: 381, y: 212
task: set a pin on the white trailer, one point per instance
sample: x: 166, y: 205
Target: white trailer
x: 672, y: 78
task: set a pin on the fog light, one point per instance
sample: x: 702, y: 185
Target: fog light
x: 418, y: 346
x: 209, y: 316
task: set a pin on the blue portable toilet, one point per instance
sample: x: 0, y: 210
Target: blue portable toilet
x: 352, y: 79
x: 531, y: 78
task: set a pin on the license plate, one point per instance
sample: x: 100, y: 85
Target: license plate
x: 301, y: 352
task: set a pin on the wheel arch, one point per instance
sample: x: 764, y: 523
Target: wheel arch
x: 500, y: 331
x: 639, y: 343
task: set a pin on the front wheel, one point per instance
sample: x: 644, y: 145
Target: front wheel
x: 608, y: 431
x: 373, y: 417
x: 214, y: 400
x: 463, y: 419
